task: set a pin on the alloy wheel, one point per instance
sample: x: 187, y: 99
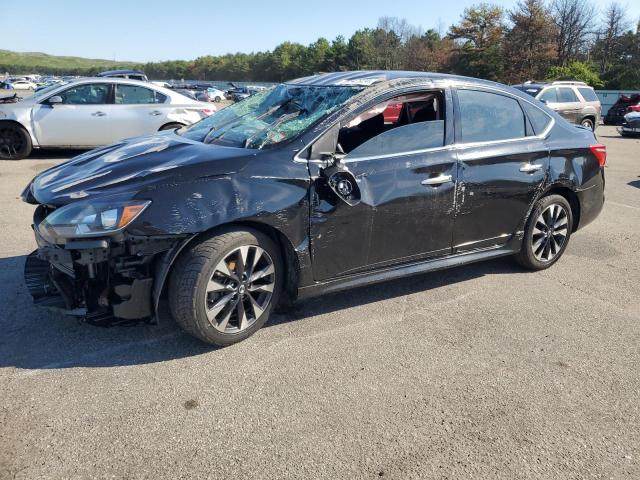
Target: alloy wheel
x: 550, y: 232
x: 240, y: 289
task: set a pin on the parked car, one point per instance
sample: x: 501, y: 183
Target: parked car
x: 23, y: 85
x: 90, y: 112
x: 211, y: 95
x: 240, y: 93
x: 631, y: 124
x: 130, y: 74
x: 304, y: 189
x: 575, y: 101
x: 624, y: 105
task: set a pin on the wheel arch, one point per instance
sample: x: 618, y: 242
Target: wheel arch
x: 20, y: 125
x: 10, y: 121
x: 570, y: 196
x: 287, y: 251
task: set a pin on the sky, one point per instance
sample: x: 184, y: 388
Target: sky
x: 144, y: 30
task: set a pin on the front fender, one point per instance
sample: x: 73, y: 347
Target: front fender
x: 269, y: 190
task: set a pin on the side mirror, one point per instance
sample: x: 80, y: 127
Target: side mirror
x: 544, y: 101
x: 56, y: 99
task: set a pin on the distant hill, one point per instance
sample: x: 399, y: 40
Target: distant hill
x: 36, y: 62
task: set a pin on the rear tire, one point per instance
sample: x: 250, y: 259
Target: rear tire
x: 223, y: 288
x: 587, y: 122
x: 170, y: 126
x: 15, y: 142
x: 547, y: 233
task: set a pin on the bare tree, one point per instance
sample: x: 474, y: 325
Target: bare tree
x: 615, y: 23
x: 574, y: 20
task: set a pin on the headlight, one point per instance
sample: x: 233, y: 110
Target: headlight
x: 90, y: 219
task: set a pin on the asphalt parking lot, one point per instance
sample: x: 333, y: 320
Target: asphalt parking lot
x: 484, y: 371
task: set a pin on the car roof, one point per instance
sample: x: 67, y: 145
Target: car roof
x: 112, y: 80
x: 371, y: 77
x: 120, y: 72
x: 560, y: 83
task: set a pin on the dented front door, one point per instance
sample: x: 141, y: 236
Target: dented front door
x: 404, y: 212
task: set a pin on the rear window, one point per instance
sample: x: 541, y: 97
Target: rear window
x: 588, y: 94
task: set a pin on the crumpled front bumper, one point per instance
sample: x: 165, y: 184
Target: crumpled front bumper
x: 98, y: 278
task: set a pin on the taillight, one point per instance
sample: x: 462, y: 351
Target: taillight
x: 600, y: 152
x: 207, y: 112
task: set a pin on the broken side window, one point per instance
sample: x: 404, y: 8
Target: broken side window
x: 402, y: 124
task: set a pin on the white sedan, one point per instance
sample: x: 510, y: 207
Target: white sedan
x: 23, y: 85
x: 91, y: 112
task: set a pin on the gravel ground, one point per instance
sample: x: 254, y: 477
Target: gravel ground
x: 484, y: 371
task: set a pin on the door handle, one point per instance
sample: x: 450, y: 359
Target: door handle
x: 98, y: 114
x: 155, y: 113
x: 530, y: 167
x: 439, y: 180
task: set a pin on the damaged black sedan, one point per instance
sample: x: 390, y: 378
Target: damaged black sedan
x: 315, y: 185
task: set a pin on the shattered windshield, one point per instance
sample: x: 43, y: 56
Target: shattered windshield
x: 270, y: 116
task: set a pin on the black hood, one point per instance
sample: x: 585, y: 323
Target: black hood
x: 133, y: 165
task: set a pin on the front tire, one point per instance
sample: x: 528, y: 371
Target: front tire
x: 223, y: 288
x: 15, y: 142
x: 547, y: 233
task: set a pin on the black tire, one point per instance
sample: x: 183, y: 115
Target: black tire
x: 587, y: 122
x: 529, y: 255
x: 15, y: 142
x: 189, y: 300
x: 171, y: 126
x: 217, y: 100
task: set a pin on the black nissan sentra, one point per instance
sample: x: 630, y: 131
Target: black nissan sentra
x: 315, y: 185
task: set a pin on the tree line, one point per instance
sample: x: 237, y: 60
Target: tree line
x: 535, y: 40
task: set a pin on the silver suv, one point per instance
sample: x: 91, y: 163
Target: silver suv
x: 575, y: 101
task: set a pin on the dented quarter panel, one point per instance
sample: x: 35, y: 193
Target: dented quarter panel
x: 573, y: 165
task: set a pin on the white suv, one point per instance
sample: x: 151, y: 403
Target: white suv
x: 575, y: 101
x: 91, y: 112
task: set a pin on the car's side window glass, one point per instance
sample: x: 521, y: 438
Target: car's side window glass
x: 588, y: 94
x: 486, y: 116
x: 133, y: 94
x: 87, y: 94
x: 539, y: 119
x: 399, y: 125
x: 566, y: 95
x: 405, y: 139
x: 550, y: 95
